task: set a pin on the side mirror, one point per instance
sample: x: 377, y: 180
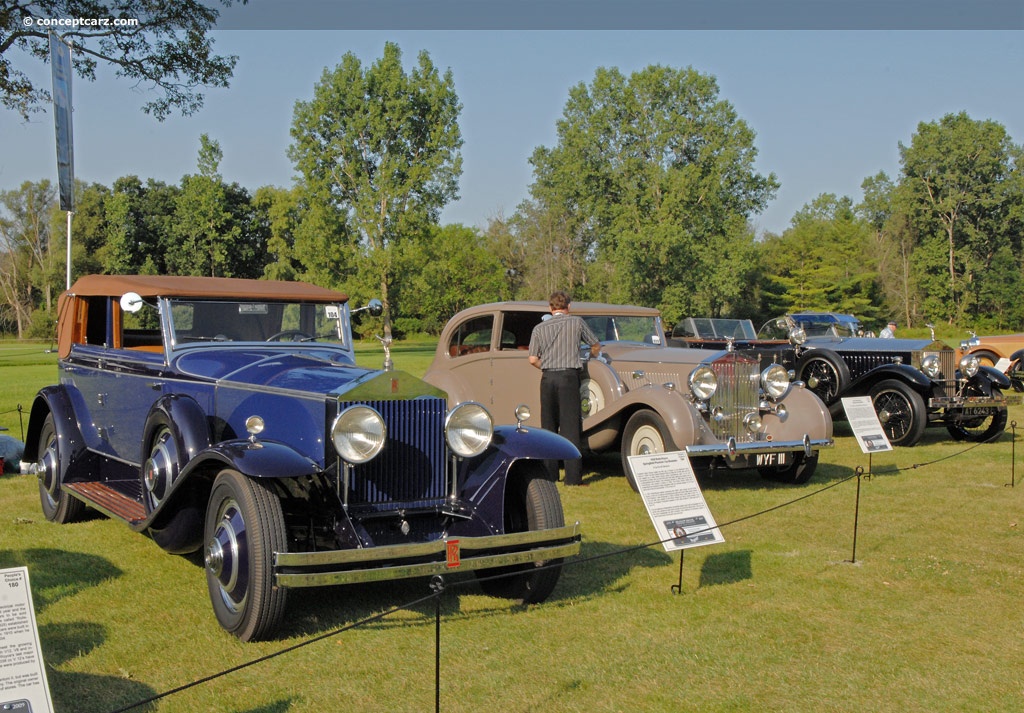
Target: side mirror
x: 131, y: 302
x: 375, y: 307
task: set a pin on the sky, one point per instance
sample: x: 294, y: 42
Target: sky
x: 829, y: 107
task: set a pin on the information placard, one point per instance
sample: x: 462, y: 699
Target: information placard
x: 23, y: 686
x: 674, y: 501
x: 860, y: 412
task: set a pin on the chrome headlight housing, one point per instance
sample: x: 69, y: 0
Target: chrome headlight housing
x: 358, y: 434
x: 930, y: 365
x: 468, y: 428
x: 775, y: 381
x: 703, y: 382
x: 969, y: 365
x: 797, y: 336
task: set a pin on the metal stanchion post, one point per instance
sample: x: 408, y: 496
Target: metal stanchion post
x: 856, y: 513
x: 677, y: 588
x: 437, y: 586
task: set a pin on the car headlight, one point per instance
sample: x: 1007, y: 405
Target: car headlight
x: 775, y: 381
x: 969, y: 365
x: 930, y: 365
x: 703, y: 382
x: 358, y: 434
x: 797, y: 336
x: 468, y: 428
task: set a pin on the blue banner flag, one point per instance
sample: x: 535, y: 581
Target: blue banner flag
x: 60, y: 62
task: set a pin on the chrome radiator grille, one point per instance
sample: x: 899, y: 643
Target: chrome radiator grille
x: 412, y: 467
x: 738, y: 394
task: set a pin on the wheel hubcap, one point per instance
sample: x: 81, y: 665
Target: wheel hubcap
x: 225, y: 557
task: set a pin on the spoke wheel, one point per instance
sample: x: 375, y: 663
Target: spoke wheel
x: 531, y: 503
x: 901, y: 411
x: 825, y: 373
x: 244, y: 527
x: 57, y: 505
x: 977, y: 429
x: 645, y: 433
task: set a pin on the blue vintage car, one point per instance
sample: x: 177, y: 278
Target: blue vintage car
x: 228, y: 415
x: 913, y: 383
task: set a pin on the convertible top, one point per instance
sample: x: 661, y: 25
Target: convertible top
x: 215, y: 287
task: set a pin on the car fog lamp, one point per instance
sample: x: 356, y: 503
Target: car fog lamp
x: 358, y: 434
x: 775, y: 381
x: 254, y: 425
x: 969, y: 365
x: 718, y: 414
x: 468, y: 429
x: 753, y: 422
x: 797, y: 336
x: 930, y: 366
x: 703, y: 382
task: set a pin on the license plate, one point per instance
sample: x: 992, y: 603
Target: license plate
x: 772, y: 459
x: 978, y: 411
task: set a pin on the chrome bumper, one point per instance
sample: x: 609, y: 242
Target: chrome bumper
x: 446, y: 556
x: 733, y: 449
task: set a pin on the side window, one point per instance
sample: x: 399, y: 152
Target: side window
x: 472, y: 337
x: 516, y: 328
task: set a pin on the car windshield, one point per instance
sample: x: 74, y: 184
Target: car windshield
x: 715, y: 328
x: 612, y: 328
x: 828, y: 325
x: 264, y: 321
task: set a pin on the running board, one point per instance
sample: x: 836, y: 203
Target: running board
x: 108, y: 501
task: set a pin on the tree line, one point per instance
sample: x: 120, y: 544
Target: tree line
x: 647, y: 197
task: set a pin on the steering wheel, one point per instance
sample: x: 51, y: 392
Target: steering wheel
x: 292, y: 333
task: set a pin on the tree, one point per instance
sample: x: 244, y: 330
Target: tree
x: 215, y: 229
x: 167, y: 49
x: 27, y: 260
x: 651, y: 170
x: 961, y: 191
x: 378, y: 151
x: 825, y: 259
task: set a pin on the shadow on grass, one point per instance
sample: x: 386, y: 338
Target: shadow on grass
x: 726, y: 568
x: 55, y: 575
x: 598, y: 571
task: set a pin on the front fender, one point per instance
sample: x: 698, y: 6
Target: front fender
x: 996, y: 378
x: 684, y: 423
x: 914, y: 378
x: 259, y: 459
x: 527, y: 442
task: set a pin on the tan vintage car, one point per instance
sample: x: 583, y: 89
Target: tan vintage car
x: 641, y: 395
x: 990, y: 350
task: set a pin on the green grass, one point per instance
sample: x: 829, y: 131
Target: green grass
x: 775, y: 619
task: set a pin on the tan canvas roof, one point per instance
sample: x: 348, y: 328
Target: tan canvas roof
x: 215, y: 287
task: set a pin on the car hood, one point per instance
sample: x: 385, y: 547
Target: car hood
x: 876, y: 344
x: 303, y: 372
x: 641, y: 353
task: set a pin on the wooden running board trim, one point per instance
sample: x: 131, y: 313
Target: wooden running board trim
x: 108, y: 500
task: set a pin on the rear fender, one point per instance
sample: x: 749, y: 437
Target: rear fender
x: 76, y: 461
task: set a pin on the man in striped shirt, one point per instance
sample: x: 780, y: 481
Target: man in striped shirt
x: 555, y: 350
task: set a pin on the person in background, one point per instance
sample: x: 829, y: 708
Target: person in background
x: 555, y: 350
x: 889, y: 332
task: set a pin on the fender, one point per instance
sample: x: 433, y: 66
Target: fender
x: 997, y: 378
x: 914, y: 378
x: 75, y: 458
x: 185, y: 417
x: 254, y: 459
x: 1017, y: 355
x: 527, y: 442
x: 680, y: 415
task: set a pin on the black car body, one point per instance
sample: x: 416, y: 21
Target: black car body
x: 732, y: 334
x: 229, y: 416
x: 914, y: 383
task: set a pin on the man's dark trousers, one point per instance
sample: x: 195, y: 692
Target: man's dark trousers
x: 560, y: 411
